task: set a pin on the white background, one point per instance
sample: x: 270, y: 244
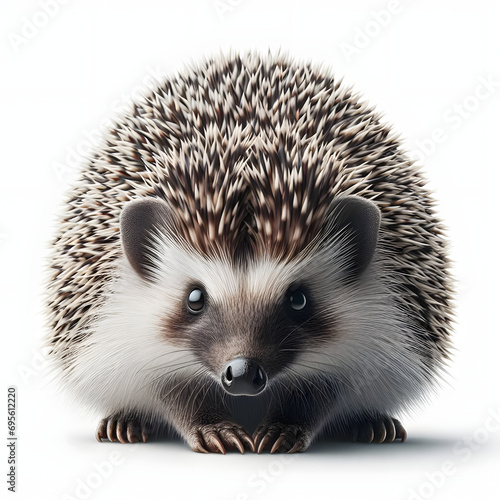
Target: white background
x: 63, y: 74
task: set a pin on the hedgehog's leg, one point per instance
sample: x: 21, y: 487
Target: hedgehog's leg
x: 122, y: 428
x: 378, y: 430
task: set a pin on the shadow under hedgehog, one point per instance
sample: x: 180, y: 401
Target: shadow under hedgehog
x: 249, y: 230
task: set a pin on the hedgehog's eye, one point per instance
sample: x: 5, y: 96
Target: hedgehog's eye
x: 297, y: 300
x: 196, y: 301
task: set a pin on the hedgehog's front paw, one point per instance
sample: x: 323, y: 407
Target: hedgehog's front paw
x: 382, y: 430
x: 219, y: 437
x: 283, y: 438
x: 120, y: 428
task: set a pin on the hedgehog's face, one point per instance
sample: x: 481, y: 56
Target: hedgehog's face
x: 247, y: 323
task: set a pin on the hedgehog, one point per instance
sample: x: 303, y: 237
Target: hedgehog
x: 250, y: 236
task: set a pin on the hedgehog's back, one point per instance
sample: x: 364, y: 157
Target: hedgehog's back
x: 249, y: 153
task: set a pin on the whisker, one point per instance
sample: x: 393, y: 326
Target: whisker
x: 167, y: 354
x: 169, y: 365
x: 200, y: 386
x: 169, y: 374
x: 309, y: 381
x: 337, y: 377
x: 185, y: 382
x: 297, y: 327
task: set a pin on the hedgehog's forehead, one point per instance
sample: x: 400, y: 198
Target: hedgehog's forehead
x: 265, y: 277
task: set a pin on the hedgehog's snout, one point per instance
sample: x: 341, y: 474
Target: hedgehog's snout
x: 243, y: 377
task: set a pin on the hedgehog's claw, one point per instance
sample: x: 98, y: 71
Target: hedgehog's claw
x: 400, y: 430
x: 121, y: 429
x: 382, y: 430
x: 100, y: 432
x: 285, y: 438
x: 216, y: 438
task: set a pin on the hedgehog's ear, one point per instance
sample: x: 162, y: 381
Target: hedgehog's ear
x: 355, y: 220
x: 138, y: 220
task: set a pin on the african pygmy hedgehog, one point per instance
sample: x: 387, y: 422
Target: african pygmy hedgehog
x: 250, y: 228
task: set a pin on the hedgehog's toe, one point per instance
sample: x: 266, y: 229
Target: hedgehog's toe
x: 382, y: 430
x: 281, y: 438
x: 101, y: 433
x: 216, y: 438
x: 124, y: 430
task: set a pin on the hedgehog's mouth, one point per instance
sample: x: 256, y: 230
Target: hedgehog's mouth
x: 243, y: 377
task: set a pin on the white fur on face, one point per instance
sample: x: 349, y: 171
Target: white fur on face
x: 370, y: 353
x: 125, y: 357
x: 121, y: 365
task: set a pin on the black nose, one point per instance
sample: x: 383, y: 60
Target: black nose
x: 243, y: 377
